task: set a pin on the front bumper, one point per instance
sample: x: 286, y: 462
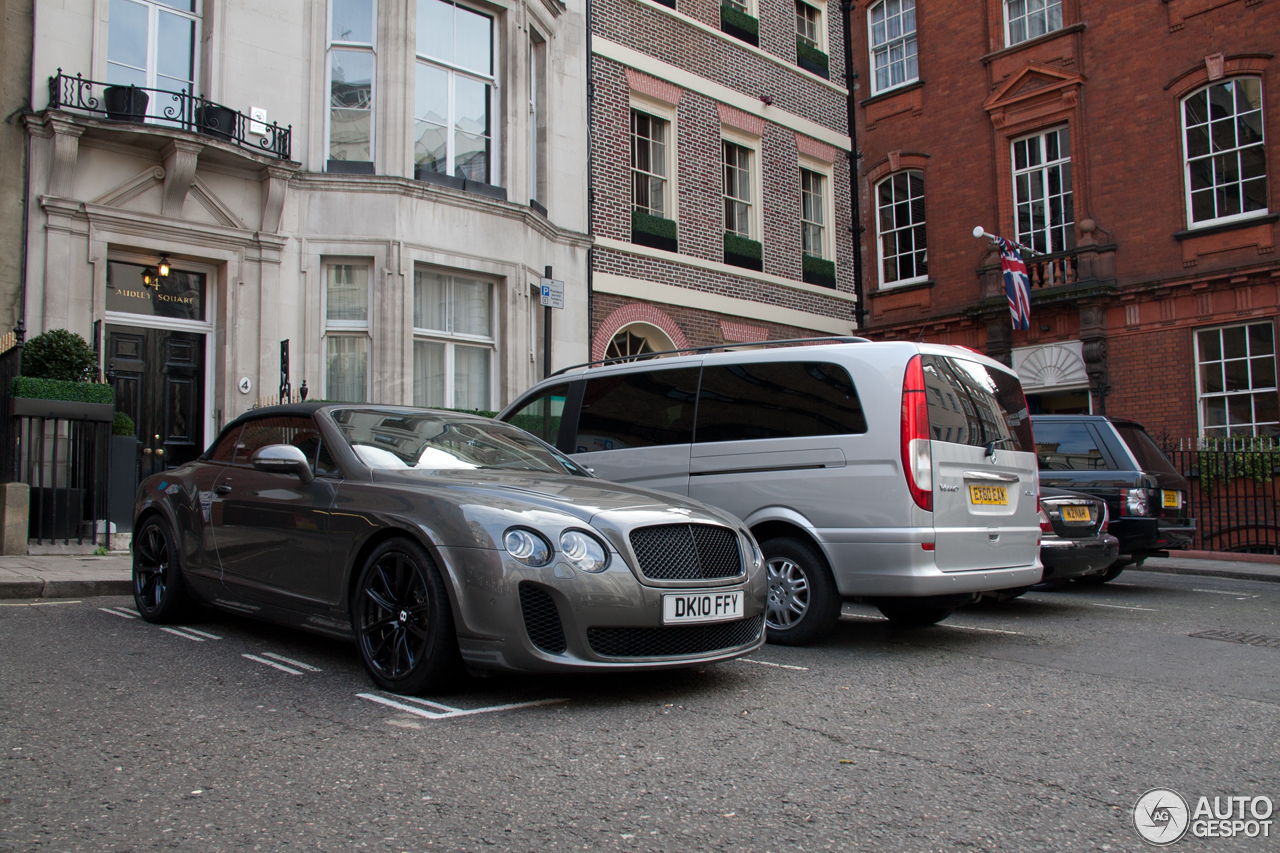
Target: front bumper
x: 1072, y: 558
x: 557, y: 619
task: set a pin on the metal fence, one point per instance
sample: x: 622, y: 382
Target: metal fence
x: 66, y: 463
x: 1234, y: 492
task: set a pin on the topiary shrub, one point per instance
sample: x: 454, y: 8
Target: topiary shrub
x: 122, y: 424
x: 60, y: 389
x: 58, y: 354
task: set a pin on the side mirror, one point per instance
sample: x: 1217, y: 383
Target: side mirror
x: 282, y: 459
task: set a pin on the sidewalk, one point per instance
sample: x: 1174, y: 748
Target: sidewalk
x: 82, y: 577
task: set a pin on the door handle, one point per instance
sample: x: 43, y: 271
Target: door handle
x: 222, y: 488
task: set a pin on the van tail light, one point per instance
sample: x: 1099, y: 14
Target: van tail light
x: 1133, y: 502
x: 1046, y: 526
x: 917, y: 458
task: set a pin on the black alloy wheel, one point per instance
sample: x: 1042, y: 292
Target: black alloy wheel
x: 158, y: 589
x: 403, y: 620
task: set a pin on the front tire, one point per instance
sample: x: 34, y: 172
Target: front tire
x: 803, y: 604
x: 159, y: 591
x: 403, y: 621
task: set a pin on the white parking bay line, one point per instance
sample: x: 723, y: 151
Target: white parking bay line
x: 38, y: 603
x: 1241, y: 596
x: 976, y: 628
x: 299, y: 664
x: 779, y: 665
x: 200, y: 633
x: 272, y: 664
x: 449, y: 712
x: 124, y: 614
x: 1123, y: 607
x: 180, y: 633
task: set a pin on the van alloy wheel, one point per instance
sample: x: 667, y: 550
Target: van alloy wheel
x: 788, y: 593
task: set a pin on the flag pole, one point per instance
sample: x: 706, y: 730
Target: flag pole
x: 980, y: 232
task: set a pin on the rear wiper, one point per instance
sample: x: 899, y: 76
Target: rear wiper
x: 991, y: 446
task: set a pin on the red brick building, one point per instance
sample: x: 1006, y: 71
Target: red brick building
x: 1135, y: 145
x: 721, y: 203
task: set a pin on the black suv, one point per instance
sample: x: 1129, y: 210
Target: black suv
x: 1116, y: 460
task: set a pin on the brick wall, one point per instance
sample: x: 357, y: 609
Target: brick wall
x: 701, y: 328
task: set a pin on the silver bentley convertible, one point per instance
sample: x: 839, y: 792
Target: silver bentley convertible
x: 442, y: 542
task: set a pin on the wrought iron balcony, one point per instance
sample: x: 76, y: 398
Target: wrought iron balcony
x: 141, y: 105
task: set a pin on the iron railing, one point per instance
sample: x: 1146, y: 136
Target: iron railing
x: 139, y: 105
x: 1234, y: 492
x: 10, y: 367
x: 66, y: 464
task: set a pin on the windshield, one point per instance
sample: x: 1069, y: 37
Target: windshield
x: 1145, y: 450
x: 435, y: 441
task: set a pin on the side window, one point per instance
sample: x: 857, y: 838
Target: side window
x: 299, y: 431
x: 541, y: 415
x: 781, y: 400
x: 645, y: 409
x: 225, y: 450
x: 1067, y: 447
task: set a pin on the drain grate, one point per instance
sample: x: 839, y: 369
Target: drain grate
x: 1240, y: 637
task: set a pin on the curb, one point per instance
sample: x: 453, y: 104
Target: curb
x: 64, y: 588
x: 1231, y: 574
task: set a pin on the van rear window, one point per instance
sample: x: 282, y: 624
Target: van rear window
x: 788, y: 399
x: 972, y: 404
x: 641, y: 409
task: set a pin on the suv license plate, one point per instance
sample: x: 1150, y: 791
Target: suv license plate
x: 1075, y: 513
x: 688, y: 607
x: 1173, y: 499
x: 989, y: 495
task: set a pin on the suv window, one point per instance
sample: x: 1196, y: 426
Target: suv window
x: 1149, y: 456
x: 971, y: 404
x: 541, y: 415
x: 299, y: 431
x: 1068, y: 447
x: 645, y: 409
x: 779, y: 400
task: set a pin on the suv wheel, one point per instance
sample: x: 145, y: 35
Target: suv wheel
x: 803, y: 603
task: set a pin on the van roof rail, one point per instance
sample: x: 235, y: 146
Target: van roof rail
x: 839, y: 339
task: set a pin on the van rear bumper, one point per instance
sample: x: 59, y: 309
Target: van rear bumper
x: 902, y: 569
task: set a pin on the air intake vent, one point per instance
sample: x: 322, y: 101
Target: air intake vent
x: 675, y: 640
x: 669, y: 552
x: 541, y: 619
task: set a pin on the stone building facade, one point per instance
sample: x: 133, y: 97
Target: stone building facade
x: 15, y: 94
x: 380, y: 183
x: 1133, y: 146
x: 721, y: 204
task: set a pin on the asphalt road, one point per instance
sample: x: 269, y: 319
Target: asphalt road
x: 1031, y: 725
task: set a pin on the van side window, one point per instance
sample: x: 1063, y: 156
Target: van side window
x: 646, y: 409
x: 787, y: 399
x: 972, y: 404
x: 1067, y: 447
x: 541, y: 415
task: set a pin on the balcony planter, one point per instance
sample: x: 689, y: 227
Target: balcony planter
x: 216, y: 120
x: 481, y: 188
x: 430, y: 176
x: 349, y: 167
x: 740, y: 25
x: 812, y: 60
x: 819, y: 271
x: 654, y: 232
x: 742, y: 252
x: 125, y: 103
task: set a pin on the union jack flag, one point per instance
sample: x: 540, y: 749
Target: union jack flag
x: 1017, y: 286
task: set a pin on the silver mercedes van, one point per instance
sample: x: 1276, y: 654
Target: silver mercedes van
x: 902, y: 475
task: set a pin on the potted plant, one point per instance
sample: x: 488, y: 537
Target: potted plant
x: 743, y: 252
x: 654, y: 231
x: 739, y: 24
x: 216, y: 120
x: 812, y: 60
x: 819, y: 271
x: 125, y: 103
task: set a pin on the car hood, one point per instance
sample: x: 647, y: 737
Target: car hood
x: 580, y: 497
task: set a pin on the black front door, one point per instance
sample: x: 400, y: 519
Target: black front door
x: 159, y: 382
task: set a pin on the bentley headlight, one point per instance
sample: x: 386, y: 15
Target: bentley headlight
x: 527, y: 547
x: 583, y: 551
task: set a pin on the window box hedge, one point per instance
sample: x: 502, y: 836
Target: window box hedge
x: 59, y: 398
x: 819, y: 271
x: 740, y: 25
x: 812, y: 60
x: 742, y: 252
x: 654, y: 231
